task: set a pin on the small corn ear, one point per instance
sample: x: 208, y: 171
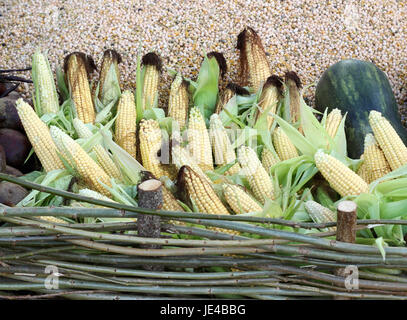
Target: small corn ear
x: 152, y: 68
x: 284, y: 147
x: 376, y: 162
x: 178, y: 103
x: 239, y: 200
x: 126, y: 123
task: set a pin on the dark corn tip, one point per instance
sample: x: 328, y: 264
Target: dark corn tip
x: 86, y: 59
x: 114, y: 54
x: 237, y: 89
x: 292, y: 75
x: 152, y: 59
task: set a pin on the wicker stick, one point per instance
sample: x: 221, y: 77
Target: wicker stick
x: 346, y: 231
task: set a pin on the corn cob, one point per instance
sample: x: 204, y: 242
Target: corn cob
x: 53, y: 219
x: 170, y: 203
x: 333, y: 120
x: 150, y: 148
x: 95, y: 195
x: 201, y: 192
x: 293, y: 84
x: 178, y: 103
x: 320, y: 214
x: 284, y: 147
x: 376, y: 162
x: 239, y: 200
x: 87, y: 169
x: 39, y: 136
x: 102, y: 155
x: 221, y: 146
x: 342, y: 179
x: 227, y: 94
x: 268, y: 159
x: 126, y: 123
x: 181, y: 157
x: 254, y: 67
x: 269, y: 98
x: 389, y: 141
x: 363, y: 170
x: 76, y: 67
x: 259, y: 180
x: 152, y: 68
x: 110, y: 57
x: 43, y: 78
x: 198, y: 140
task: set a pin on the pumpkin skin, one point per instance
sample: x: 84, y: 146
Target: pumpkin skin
x: 357, y: 87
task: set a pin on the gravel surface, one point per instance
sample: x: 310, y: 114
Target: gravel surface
x: 304, y: 36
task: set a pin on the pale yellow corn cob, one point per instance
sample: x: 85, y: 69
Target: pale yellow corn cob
x: 284, y: 147
x: 342, y: 179
x: 150, y: 148
x: 333, y: 120
x: 254, y: 64
x: 259, y: 180
x: 224, y: 98
x: 87, y: 169
x: 178, y: 102
x: 126, y: 123
x: 199, y: 144
x: 376, y: 162
x: 363, y: 170
x: 94, y: 194
x: 181, y: 157
x: 152, y: 67
x: 170, y: 203
x: 268, y: 159
x: 48, y: 97
x: 221, y: 146
x: 320, y: 214
x: 268, y: 101
x: 201, y: 192
x: 110, y: 57
x: 78, y: 81
x: 53, y: 219
x: 39, y: 136
x: 389, y: 141
x: 239, y: 200
x: 102, y: 155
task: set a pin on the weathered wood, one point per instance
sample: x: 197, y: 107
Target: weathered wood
x: 346, y: 231
x: 150, y: 197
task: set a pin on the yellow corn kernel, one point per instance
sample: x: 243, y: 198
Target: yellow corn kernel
x: 376, y: 162
x: 342, y: 179
x: 268, y: 159
x: 126, y: 123
x: 77, y: 76
x: 333, y: 120
x: 201, y: 192
x: 86, y: 168
x: 178, y: 103
x: 199, y: 143
x: 254, y: 65
x: 389, y: 141
x: 239, y: 200
x: 363, y: 170
x: 269, y: 98
x: 39, y: 136
x: 44, y: 80
x: 259, y: 180
x: 284, y: 147
x: 181, y: 157
x: 150, y: 149
x: 152, y: 68
x: 53, y: 219
x: 221, y: 146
